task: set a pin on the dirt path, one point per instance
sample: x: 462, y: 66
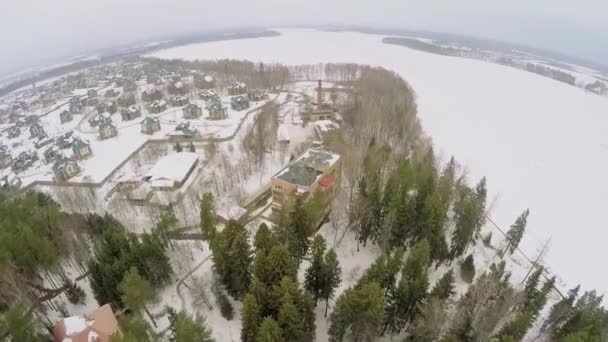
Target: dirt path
x: 181, y: 281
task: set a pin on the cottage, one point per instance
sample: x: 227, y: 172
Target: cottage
x: 65, y: 169
x: 99, y: 119
x: 239, y: 103
x: 81, y: 149
x: 65, y: 140
x: 192, y: 111
x: 130, y: 113
x: 10, y: 181
x: 126, y: 100
x: 185, y: 129
x: 76, y: 106
x: 65, y: 116
x: 5, y: 159
x: 108, y: 106
x: 179, y: 101
x: 152, y: 94
x: 237, y: 88
x: 97, y: 326
x: 150, y: 125
x: 209, y: 95
x: 217, y: 111
x: 91, y: 93
x: 314, y: 171
x: 204, y: 81
x: 257, y: 95
x: 36, y: 131
x: 107, y: 130
x: 24, y: 161
x: 52, y: 154
x: 158, y: 107
x: 14, y: 132
x: 177, y: 87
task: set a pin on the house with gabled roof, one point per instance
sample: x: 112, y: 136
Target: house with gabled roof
x: 10, y: 181
x: 130, y: 113
x: 179, y: 101
x: 5, y: 159
x: 217, y: 111
x: 237, y: 88
x: 209, y: 95
x: 192, y: 111
x: 52, y: 154
x: 65, y: 169
x: 97, y: 326
x: 158, y: 106
x: 107, y: 130
x: 91, y: 93
x: 257, y: 95
x: 76, y: 106
x: 36, y: 131
x: 14, y: 132
x: 107, y: 106
x: 65, y: 116
x: 150, y: 125
x: 81, y: 149
x: 239, y: 103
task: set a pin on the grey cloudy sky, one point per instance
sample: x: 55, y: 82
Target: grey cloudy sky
x: 37, y: 31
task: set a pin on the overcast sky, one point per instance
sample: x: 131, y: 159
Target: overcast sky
x: 37, y: 31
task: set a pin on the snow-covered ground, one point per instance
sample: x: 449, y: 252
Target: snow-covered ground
x: 542, y: 144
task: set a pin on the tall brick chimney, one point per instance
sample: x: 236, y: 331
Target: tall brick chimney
x: 319, y: 96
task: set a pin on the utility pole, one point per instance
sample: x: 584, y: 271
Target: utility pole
x: 535, y: 263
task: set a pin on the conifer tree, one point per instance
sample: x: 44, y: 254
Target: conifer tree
x: 516, y: 232
x: 185, y: 328
x: 133, y: 329
x: 289, y: 319
x: 19, y: 324
x: 466, y: 218
x: 333, y: 277
x: 269, y: 331
x: 232, y: 258
x: 467, y: 269
x: 316, y: 274
x: 299, y: 231
x: 444, y: 288
x: 480, y: 200
x: 250, y: 317
x: 359, y: 310
x: 264, y: 239
x: 208, y: 217
x: 136, y: 292
x: 560, y: 310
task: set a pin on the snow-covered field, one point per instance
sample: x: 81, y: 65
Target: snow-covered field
x: 542, y: 144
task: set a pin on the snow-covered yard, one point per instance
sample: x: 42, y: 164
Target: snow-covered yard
x: 541, y: 143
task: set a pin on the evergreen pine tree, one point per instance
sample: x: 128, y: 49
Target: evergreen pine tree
x: 560, y: 310
x: 133, y: 329
x: 444, y: 288
x: 185, y: 328
x: 467, y: 269
x: 19, y: 324
x: 250, y: 317
x: 232, y: 257
x: 191, y: 147
x: 208, y: 217
x: 264, y: 239
x: 178, y: 147
x: 333, y: 277
x: 466, y: 218
x: 269, y: 331
x: 136, y: 292
x: 299, y: 231
x: 316, y: 274
x: 516, y: 232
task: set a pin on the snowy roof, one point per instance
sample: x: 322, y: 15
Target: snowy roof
x: 324, y: 126
x: 171, y: 168
x: 305, y: 169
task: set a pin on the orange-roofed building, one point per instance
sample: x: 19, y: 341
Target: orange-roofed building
x: 97, y: 326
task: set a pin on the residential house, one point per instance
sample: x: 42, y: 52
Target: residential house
x: 65, y: 169
x: 152, y: 94
x: 171, y: 171
x: 150, y: 125
x: 108, y: 106
x: 126, y: 100
x: 158, y: 106
x: 65, y: 116
x: 209, y: 95
x: 239, y: 103
x: 14, y: 132
x: 177, y: 88
x: 5, y: 159
x: 130, y: 113
x: 257, y: 95
x: 237, y: 88
x: 186, y: 130
x: 217, y: 111
x: 36, y: 130
x: 107, y: 130
x: 192, y: 111
x: 10, y: 181
x: 76, y: 106
x: 52, y: 154
x: 23, y: 161
x: 179, y: 101
x: 99, y: 119
x: 81, y: 149
x: 91, y: 93
x: 65, y: 140
x: 97, y: 326
x: 111, y: 93
x: 316, y: 172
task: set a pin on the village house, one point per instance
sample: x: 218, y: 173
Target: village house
x: 257, y: 95
x: 316, y: 172
x: 326, y: 129
x: 107, y: 130
x: 65, y: 169
x: 179, y: 101
x: 81, y: 149
x: 237, y: 88
x: 91, y: 93
x: 158, y: 107
x: 65, y: 116
x: 177, y: 88
x: 239, y: 103
x: 5, y: 159
x: 217, y: 111
x: 14, y: 132
x: 150, y: 125
x: 36, y: 131
x: 24, y: 161
x: 209, y: 95
x: 76, y: 106
x: 10, y: 181
x: 65, y: 140
x: 108, y: 106
x: 130, y: 113
x: 192, y: 111
x: 186, y: 130
x: 99, y: 119
x: 52, y: 154
x: 204, y: 81
x: 97, y: 326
